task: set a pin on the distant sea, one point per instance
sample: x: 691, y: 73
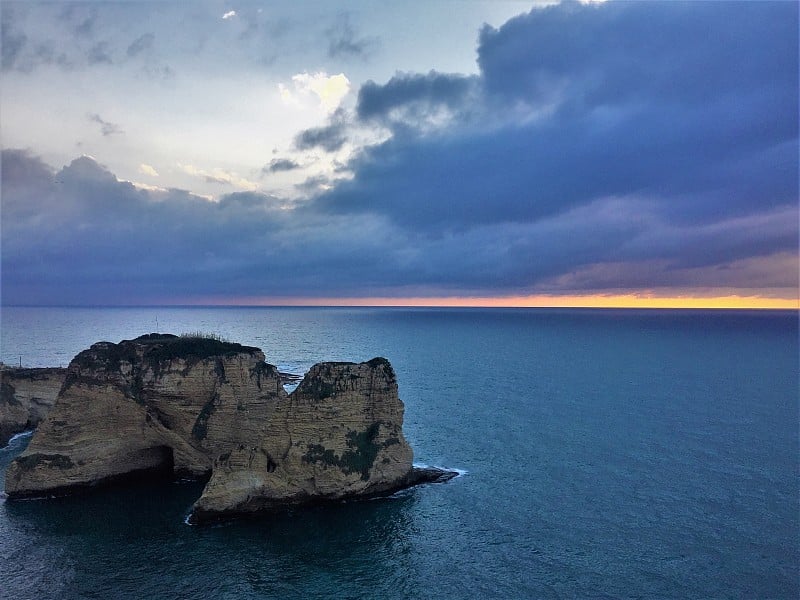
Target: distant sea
x: 606, y: 454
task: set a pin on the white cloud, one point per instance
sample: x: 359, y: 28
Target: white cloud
x: 229, y: 14
x: 329, y: 90
x: 146, y: 186
x: 147, y: 170
x: 219, y: 176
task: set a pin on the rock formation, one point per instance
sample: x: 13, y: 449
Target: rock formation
x: 26, y: 395
x: 338, y: 435
x: 197, y: 407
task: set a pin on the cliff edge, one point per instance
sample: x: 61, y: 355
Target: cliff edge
x: 26, y: 396
x: 199, y: 407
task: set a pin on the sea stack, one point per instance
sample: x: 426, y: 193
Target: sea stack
x: 338, y: 435
x: 199, y: 407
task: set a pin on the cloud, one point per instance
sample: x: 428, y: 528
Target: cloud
x: 703, y: 127
x: 344, y: 41
x: 147, y: 170
x: 85, y: 28
x: 330, y: 137
x: 106, y: 128
x: 280, y: 164
x: 105, y: 239
x: 721, y: 49
x: 219, y: 176
x: 74, y: 233
x: 413, y: 99
x: 610, y: 147
x: 141, y: 44
x: 70, y: 36
x: 12, y: 41
x: 100, y: 53
x: 229, y: 15
x: 329, y: 90
x: 23, y: 52
x: 314, y: 184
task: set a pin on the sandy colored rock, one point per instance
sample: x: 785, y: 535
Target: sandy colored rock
x: 198, y: 407
x: 155, y: 403
x: 338, y: 435
x: 26, y: 396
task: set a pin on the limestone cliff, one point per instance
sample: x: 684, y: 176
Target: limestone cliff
x: 338, y: 435
x: 26, y: 395
x: 155, y: 403
x: 199, y: 407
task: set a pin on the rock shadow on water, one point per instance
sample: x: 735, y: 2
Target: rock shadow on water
x: 122, y: 533
x: 335, y: 546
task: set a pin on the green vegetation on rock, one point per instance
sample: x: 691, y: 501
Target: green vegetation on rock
x: 154, y: 350
x: 360, y: 457
x: 165, y: 347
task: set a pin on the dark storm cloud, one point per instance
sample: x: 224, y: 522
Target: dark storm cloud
x: 632, y: 52
x: 280, y: 164
x: 83, y: 236
x: 330, y: 137
x: 412, y: 92
x: 345, y: 42
x: 692, y: 106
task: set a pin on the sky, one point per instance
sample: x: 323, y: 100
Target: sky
x: 443, y: 153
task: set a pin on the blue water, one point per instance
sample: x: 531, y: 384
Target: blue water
x: 608, y: 454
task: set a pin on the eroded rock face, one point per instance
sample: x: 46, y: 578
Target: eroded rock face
x: 194, y: 407
x: 26, y: 396
x: 154, y: 403
x: 338, y: 435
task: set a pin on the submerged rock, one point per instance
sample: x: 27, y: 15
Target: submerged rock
x: 200, y: 407
x: 26, y: 396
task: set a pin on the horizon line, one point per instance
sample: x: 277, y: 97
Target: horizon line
x: 592, y: 301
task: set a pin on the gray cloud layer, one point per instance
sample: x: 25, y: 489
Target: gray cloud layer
x: 690, y: 106
x: 602, y: 147
x: 330, y: 137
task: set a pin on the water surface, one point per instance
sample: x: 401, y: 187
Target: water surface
x: 607, y: 454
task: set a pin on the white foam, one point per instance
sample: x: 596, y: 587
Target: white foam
x: 16, y: 437
x: 460, y: 472
x: 21, y: 435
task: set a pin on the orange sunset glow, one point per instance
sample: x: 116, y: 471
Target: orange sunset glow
x: 731, y: 302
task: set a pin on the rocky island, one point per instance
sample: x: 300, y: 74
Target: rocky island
x: 204, y: 408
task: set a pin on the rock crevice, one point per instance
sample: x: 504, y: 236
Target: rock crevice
x: 26, y: 396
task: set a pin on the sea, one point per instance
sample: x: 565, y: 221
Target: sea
x: 602, y: 454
